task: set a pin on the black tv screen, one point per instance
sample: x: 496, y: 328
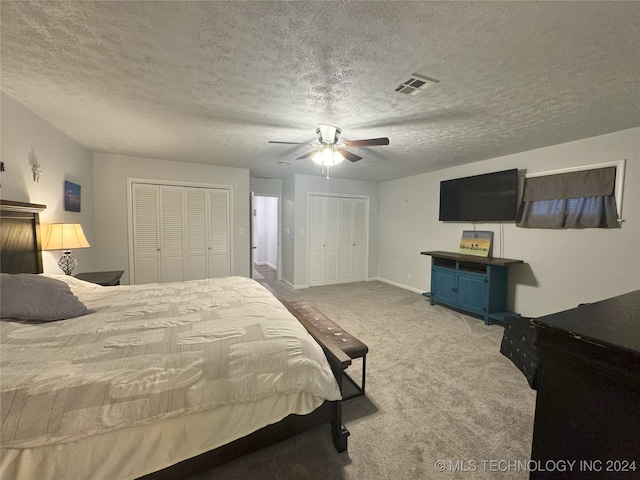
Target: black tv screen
x: 491, y: 197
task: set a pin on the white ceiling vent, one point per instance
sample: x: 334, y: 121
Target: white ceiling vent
x: 415, y: 84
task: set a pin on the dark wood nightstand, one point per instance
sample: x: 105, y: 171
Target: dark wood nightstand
x: 106, y: 279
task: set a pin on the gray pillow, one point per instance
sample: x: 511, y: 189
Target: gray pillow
x: 37, y: 298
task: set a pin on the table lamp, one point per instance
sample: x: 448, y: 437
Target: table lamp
x: 65, y: 236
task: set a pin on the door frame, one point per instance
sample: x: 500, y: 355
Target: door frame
x: 279, y: 230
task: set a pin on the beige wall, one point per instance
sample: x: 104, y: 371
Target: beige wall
x: 110, y: 185
x: 563, y: 267
x: 27, y: 139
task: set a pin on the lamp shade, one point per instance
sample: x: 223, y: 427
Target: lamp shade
x: 64, y: 236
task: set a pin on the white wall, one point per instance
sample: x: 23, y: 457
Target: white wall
x: 27, y: 139
x: 266, y: 186
x: 563, y: 267
x: 110, y: 186
x: 306, y: 184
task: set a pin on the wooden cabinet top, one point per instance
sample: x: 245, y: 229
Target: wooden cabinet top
x: 612, y: 324
x: 472, y: 258
x: 101, y: 278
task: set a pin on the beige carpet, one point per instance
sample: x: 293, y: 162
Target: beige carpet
x: 257, y: 275
x: 437, y: 390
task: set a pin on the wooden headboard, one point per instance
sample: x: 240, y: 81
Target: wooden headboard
x: 20, y: 237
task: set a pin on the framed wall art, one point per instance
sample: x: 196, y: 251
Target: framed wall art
x: 71, y: 196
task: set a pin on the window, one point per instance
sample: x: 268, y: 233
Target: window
x: 590, y: 197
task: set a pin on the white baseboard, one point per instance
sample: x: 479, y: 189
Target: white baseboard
x: 395, y: 284
x: 295, y: 287
x: 261, y: 264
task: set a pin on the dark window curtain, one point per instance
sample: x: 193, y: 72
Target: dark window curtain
x: 583, y: 199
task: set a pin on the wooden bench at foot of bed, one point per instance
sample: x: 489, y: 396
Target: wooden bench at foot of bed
x: 332, y: 336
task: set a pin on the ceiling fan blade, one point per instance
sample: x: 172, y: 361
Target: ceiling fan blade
x: 368, y: 142
x: 306, y: 155
x: 348, y: 155
x: 292, y: 143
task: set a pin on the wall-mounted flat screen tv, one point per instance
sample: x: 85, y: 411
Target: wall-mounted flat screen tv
x: 491, y: 197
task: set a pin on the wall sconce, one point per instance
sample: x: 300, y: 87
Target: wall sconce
x: 36, y: 172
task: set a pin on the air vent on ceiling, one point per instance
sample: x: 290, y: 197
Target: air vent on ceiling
x: 415, y: 84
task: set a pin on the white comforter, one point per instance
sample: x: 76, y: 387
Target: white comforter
x: 152, y: 352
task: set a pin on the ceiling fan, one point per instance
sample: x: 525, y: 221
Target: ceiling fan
x: 329, y: 151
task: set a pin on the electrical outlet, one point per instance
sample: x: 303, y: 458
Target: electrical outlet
x: 408, y: 276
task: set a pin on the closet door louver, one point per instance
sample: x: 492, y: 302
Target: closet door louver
x: 332, y: 239
x: 196, y: 238
x: 324, y: 241
x: 353, y: 238
x: 219, y: 258
x: 171, y: 234
x: 346, y: 239
x: 316, y: 240
x: 146, y: 237
x: 359, y: 236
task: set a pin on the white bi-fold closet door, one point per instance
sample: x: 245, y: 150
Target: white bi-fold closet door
x: 179, y: 233
x: 338, y: 239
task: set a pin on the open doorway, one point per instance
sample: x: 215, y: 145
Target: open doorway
x: 265, y: 243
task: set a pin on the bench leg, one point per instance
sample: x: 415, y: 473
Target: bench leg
x: 359, y: 388
x: 339, y: 432
x: 364, y: 371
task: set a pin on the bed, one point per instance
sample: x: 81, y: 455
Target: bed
x: 154, y: 381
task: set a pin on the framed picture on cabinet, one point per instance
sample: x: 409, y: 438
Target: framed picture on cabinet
x: 71, y: 197
x: 476, y: 243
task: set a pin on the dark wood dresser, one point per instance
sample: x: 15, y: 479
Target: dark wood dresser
x: 588, y: 392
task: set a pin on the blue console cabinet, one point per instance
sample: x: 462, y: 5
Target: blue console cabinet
x: 474, y: 284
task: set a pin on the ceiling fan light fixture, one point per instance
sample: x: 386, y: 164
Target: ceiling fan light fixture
x: 328, y: 134
x: 327, y: 156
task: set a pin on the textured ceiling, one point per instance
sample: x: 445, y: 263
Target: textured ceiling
x: 212, y: 82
